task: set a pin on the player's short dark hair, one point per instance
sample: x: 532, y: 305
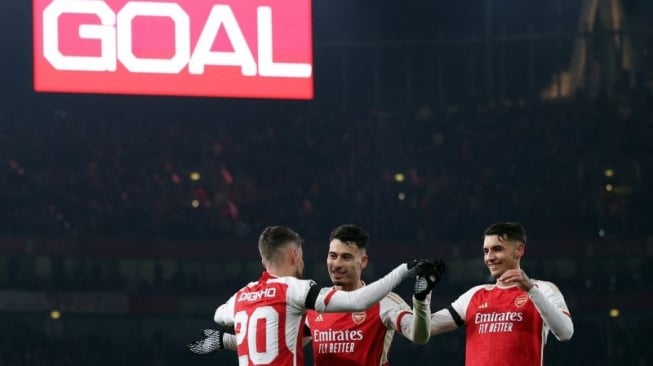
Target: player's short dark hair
x: 350, y: 234
x: 512, y: 231
x: 273, y: 238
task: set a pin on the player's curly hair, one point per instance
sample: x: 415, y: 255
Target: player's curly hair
x: 512, y: 231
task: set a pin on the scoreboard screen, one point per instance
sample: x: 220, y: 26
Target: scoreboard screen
x: 209, y: 48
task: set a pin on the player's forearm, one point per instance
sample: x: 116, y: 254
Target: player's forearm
x: 555, y: 318
x: 361, y: 299
x: 419, y: 330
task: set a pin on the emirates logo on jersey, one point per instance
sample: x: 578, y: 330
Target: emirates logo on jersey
x: 521, y: 300
x: 358, y: 317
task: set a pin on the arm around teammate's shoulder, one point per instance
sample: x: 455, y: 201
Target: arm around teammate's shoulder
x: 330, y: 300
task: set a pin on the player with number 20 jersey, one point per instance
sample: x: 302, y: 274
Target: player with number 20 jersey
x: 268, y: 315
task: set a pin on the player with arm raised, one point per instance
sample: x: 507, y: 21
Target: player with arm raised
x: 507, y: 323
x: 364, y: 338
x: 268, y: 315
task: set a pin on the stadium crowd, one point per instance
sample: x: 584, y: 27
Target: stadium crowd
x: 575, y: 168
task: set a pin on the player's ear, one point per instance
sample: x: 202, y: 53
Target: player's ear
x: 364, y: 261
x: 291, y: 256
x: 519, y: 250
x: 295, y: 255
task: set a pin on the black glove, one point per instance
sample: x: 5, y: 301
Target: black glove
x: 212, y: 342
x: 428, y: 275
x: 417, y: 266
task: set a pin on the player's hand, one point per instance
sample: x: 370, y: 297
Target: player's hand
x: 518, y: 277
x: 211, y: 342
x: 417, y: 266
x: 428, y: 275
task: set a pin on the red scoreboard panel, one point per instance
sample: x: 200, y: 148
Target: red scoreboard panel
x: 213, y: 48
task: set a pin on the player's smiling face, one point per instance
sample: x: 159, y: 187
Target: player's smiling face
x: 345, y: 263
x: 501, y: 255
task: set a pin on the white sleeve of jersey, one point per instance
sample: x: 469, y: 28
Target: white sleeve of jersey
x: 229, y: 341
x: 413, y: 324
x: 393, y: 310
x: 297, y: 293
x: 330, y: 300
x: 224, y: 314
x: 442, y: 321
x: 551, y: 305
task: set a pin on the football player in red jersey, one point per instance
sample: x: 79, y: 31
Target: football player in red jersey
x: 361, y: 338
x: 268, y: 315
x: 507, y: 323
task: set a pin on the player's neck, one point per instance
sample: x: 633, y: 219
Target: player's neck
x: 355, y: 285
x: 504, y: 284
x: 281, y: 271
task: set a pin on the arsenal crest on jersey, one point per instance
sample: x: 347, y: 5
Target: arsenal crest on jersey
x: 521, y: 300
x: 358, y: 317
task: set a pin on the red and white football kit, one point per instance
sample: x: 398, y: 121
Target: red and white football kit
x: 268, y: 315
x: 506, y: 326
x: 364, y: 338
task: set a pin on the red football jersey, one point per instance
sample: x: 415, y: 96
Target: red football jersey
x: 268, y: 316
x: 503, y: 325
x: 355, y: 339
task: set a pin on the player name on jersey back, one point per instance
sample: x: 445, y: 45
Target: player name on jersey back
x: 258, y: 295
